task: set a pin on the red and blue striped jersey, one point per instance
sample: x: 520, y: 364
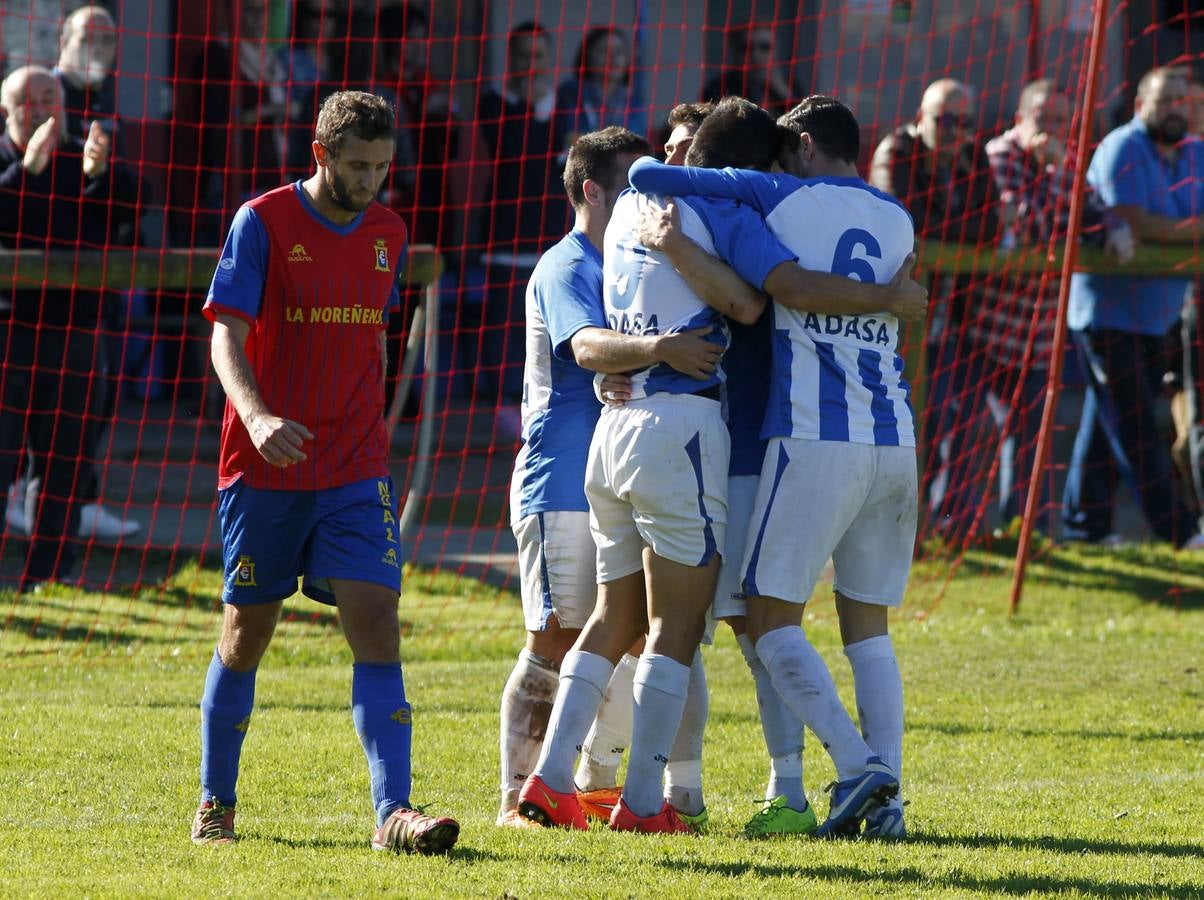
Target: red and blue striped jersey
x: 316, y: 296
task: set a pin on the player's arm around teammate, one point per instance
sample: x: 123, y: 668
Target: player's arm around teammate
x: 789, y: 284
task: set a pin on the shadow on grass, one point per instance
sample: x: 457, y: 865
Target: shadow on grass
x: 314, y: 843
x: 1009, y: 885
x: 1073, y: 845
x: 458, y: 853
x: 961, y: 730
x: 1146, y: 571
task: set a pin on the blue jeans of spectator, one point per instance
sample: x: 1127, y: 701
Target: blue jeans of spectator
x: 978, y: 410
x: 1118, y: 433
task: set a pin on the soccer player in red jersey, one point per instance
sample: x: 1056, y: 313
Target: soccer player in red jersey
x: 299, y: 304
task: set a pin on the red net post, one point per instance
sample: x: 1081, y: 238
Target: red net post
x: 1069, y: 260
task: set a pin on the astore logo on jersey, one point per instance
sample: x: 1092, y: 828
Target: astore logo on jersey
x: 299, y: 254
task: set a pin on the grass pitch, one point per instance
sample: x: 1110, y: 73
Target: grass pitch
x: 1060, y: 752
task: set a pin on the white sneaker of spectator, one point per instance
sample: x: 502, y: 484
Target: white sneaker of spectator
x: 96, y: 522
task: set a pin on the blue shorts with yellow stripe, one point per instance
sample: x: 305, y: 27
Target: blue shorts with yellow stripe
x: 271, y: 538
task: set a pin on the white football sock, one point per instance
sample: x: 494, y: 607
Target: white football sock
x: 805, y: 684
x: 610, y: 734
x: 786, y: 780
x: 526, y: 705
x: 661, y: 684
x: 683, y: 774
x: 583, y: 678
x: 879, y: 690
x: 783, y: 732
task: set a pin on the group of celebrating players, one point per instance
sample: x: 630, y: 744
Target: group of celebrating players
x: 714, y: 406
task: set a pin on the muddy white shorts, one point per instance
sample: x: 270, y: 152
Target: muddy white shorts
x: 855, y: 503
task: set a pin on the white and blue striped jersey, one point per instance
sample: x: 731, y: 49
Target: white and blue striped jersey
x: 559, y: 407
x: 836, y: 378
x: 644, y: 294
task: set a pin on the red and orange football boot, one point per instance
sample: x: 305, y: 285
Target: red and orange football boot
x: 667, y: 821
x: 549, y: 808
x: 599, y: 803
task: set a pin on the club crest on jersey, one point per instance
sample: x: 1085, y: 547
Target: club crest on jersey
x: 382, y: 256
x: 244, y: 574
x: 299, y: 254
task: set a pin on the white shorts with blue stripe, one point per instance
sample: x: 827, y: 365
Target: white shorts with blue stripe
x: 855, y: 503
x: 657, y: 476
x: 556, y: 568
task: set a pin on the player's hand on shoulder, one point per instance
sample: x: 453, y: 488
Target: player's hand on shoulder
x: 690, y: 353
x: 908, y: 298
x: 658, y: 227
x: 279, y: 441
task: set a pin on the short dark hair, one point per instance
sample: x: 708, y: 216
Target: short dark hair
x: 740, y: 134
x: 529, y: 28
x: 691, y: 114
x: 355, y: 113
x: 593, y: 36
x: 594, y: 156
x: 830, y: 123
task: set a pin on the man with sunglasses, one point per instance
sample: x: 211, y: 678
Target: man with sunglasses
x: 934, y: 166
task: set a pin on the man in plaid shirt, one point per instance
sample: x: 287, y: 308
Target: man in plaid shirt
x: 1028, y: 162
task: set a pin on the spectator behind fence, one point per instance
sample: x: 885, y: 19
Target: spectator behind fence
x: 1009, y: 340
x: 935, y: 167
x: 87, y: 52
x: 431, y: 174
x: 311, y: 66
x: 1183, y: 374
x: 87, y: 55
x: 56, y: 192
x: 1152, y: 172
x: 526, y: 208
x: 609, y: 86
x: 751, y: 69
x: 243, y: 104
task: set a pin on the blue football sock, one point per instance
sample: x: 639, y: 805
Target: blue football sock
x: 225, y: 714
x: 382, y: 720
